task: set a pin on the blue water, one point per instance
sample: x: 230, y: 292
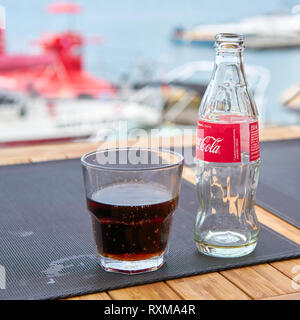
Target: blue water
x: 136, y: 30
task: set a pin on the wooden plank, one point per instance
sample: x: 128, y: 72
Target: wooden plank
x: 44, y: 158
x: 14, y: 160
x: 291, y: 296
x: 260, y: 281
x: 291, y: 268
x: 93, y: 296
x: 76, y: 149
x: 279, y: 133
x: 211, y: 286
x: 153, y: 291
x: 278, y: 224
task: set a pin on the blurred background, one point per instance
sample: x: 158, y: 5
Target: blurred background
x: 72, y: 70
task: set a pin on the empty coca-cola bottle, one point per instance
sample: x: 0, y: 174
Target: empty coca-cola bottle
x: 227, y: 157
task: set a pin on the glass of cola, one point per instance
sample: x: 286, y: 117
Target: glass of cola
x: 132, y: 194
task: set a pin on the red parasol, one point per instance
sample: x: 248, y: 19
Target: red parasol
x: 64, y: 7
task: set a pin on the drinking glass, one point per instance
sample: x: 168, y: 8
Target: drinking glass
x: 132, y: 194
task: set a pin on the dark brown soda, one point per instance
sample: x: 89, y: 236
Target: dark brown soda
x: 132, y: 221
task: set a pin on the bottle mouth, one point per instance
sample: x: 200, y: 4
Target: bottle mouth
x: 233, y: 41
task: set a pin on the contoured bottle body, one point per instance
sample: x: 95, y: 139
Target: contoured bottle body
x: 227, y: 158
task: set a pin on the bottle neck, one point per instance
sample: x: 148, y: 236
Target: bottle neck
x: 229, y: 67
x: 229, y: 56
x: 229, y: 48
x: 227, y: 92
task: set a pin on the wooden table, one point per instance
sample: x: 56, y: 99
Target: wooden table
x: 264, y: 281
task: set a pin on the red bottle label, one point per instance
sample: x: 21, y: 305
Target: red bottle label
x: 221, y: 142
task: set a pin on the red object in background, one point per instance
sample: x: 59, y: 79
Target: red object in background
x: 63, y: 7
x: 20, y: 62
x: 58, y: 71
x: 55, y: 73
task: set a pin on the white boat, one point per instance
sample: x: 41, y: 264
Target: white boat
x: 29, y: 121
x: 264, y: 31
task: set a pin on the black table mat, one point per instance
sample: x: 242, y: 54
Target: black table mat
x: 46, y: 241
x: 279, y: 184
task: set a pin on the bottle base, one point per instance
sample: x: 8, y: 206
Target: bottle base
x: 131, y: 267
x: 225, y: 252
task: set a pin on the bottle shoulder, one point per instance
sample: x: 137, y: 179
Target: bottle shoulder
x: 227, y: 94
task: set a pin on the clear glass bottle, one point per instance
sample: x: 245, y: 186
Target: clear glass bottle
x: 227, y: 157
